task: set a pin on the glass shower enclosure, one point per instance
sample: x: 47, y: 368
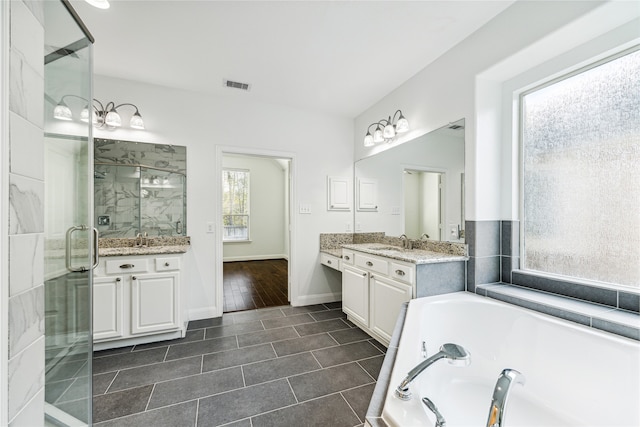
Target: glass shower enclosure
x: 69, y: 253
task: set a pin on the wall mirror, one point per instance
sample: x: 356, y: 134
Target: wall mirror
x: 139, y: 188
x: 416, y: 188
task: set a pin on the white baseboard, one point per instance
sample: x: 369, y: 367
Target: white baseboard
x: 317, y: 299
x: 203, y: 313
x: 255, y: 258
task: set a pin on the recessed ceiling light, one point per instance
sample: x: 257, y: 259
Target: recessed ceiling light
x: 100, y: 4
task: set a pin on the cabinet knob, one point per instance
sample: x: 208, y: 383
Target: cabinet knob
x: 127, y: 266
x: 134, y: 278
x: 364, y: 274
x: 118, y: 279
x: 347, y: 257
x: 369, y: 263
x: 328, y: 261
x: 166, y: 264
x: 400, y: 272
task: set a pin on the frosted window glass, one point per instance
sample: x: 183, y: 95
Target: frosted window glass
x: 581, y: 175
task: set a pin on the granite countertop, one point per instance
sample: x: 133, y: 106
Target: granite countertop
x: 415, y: 256
x: 333, y: 251
x: 143, y: 250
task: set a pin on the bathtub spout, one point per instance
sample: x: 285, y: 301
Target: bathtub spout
x: 455, y: 354
x: 440, y: 421
x: 507, y: 378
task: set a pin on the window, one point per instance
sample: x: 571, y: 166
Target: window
x: 581, y: 174
x: 235, y: 204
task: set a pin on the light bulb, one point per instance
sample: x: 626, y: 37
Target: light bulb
x: 389, y: 132
x: 402, y: 125
x: 377, y: 135
x: 113, y: 119
x: 368, y: 140
x: 136, y: 121
x: 84, y: 114
x: 62, y: 112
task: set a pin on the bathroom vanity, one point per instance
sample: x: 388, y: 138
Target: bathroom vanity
x: 138, y: 295
x: 377, y: 278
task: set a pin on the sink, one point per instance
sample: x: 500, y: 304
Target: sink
x: 385, y: 248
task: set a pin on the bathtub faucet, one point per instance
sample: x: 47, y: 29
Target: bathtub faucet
x: 507, y: 378
x: 454, y: 353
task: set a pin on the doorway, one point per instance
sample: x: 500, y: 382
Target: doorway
x: 255, y: 212
x: 423, y: 203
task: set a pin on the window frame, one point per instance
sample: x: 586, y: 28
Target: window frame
x: 546, y: 82
x: 248, y: 209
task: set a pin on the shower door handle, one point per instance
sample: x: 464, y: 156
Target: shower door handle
x: 96, y: 256
x: 67, y: 257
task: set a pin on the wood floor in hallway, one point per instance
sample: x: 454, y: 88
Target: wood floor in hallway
x: 255, y: 284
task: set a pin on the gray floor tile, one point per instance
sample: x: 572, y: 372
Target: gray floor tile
x: 242, y: 423
x: 101, y: 382
x: 319, y: 327
x: 327, y: 381
x: 345, y: 353
x: 227, y: 359
x: 379, y: 346
x: 350, y: 323
x: 201, y: 347
x: 54, y: 390
x: 299, y: 345
x: 359, y: 398
x: 128, y: 360
x: 196, y: 386
x: 149, y: 374
x: 121, y: 403
x: 195, y: 335
x: 292, y: 311
x: 287, y: 321
x: 78, y: 389
x: 350, y: 335
x: 180, y: 415
x: 253, y: 315
x: 224, y: 408
x: 208, y: 323
x: 372, y: 365
x: 112, y: 351
x: 333, y: 305
x: 330, y: 314
x: 270, y: 335
x: 282, y: 367
x: 235, y: 329
x: 328, y: 411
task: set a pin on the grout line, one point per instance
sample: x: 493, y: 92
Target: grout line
x: 166, y: 353
x: 197, y: 412
x: 149, y: 399
x: 367, y: 372
x: 110, y: 383
x: 244, y: 381
x: 350, y: 407
x: 202, y: 364
x: 293, y: 392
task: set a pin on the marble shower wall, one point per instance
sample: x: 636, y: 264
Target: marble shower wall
x: 139, y: 187
x: 26, y: 214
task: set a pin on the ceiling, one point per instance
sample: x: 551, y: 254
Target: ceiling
x: 335, y: 57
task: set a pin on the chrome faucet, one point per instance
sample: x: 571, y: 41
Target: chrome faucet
x: 406, y: 243
x: 455, y: 354
x: 138, y: 239
x: 507, y: 378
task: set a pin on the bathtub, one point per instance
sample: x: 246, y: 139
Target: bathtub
x: 575, y: 376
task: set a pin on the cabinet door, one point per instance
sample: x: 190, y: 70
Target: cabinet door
x: 155, y: 302
x: 355, y: 294
x: 107, y: 308
x: 338, y: 193
x: 387, y: 297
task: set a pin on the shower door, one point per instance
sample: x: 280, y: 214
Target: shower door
x: 69, y: 237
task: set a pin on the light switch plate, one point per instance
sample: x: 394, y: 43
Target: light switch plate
x: 305, y: 208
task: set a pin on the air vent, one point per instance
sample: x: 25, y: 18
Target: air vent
x: 236, y: 85
x: 456, y: 127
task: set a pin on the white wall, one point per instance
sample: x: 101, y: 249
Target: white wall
x: 267, y: 210
x: 322, y: 144
x: 448, y: 88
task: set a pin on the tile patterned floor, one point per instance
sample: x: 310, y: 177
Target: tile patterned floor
x: 287, y: 366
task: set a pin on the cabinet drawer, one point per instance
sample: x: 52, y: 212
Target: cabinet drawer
x: 347, y: 257
x: 167, y: 264
x: 127, y: 265
x: 402, y: 272
x: 372, y: 264
x: 330, y: 261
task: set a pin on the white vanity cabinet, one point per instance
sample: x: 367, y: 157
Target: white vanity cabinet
x: 137, y: 299
x: 373, y: 291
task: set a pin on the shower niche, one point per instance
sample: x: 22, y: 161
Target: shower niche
x: 139, y: 188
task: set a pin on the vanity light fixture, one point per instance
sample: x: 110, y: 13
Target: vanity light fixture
x: 100, y: 4
x: 386, y: 129
x: 101, y: 115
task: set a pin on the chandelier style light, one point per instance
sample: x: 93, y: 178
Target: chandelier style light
x: 386, y: 129
x: 101, y: 115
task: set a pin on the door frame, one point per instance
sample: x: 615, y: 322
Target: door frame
x: 443, y: 194
x: 221, y: 150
